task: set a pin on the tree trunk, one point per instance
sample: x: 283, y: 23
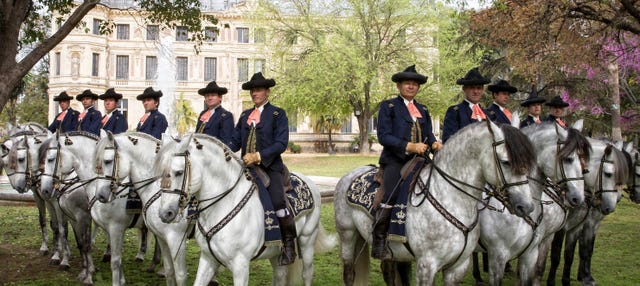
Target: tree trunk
x: 363, y: 125
x: 616, y: 130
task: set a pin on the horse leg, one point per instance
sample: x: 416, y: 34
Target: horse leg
x: 452, y: 275
x: 476, y: 269
x: 351, y: 244
x: 496, y: 267
x: 587, y: 242
x: 425, y: 271
x: 404, y: 273
x: 157, y: 256
x: 569, y: 251
x: 167, y: 260
x: 556, y: 250
x: 116, y: 237
x: 206, y: 269
x: 82, y: 231
x: 527, y: 266
x: 42, y: 221
x: 54, y: 223
x: 306, y: 250
x: 388, y: 268
x: 279, y: 272
x: 543, y: 250
x: 142, y: 249
x: 64, y: 242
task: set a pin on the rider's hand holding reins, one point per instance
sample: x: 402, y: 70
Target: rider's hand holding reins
x: 436, y: 146
x: 252, y: 158
x: 416, y: 148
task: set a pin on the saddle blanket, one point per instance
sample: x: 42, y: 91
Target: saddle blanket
x: 299, y: 199
x: 362, y: 193
x: 134, y: 203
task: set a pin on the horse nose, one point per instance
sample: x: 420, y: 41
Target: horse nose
x: 607, y: 210
x: 524, y: 208
x: 167, y: 216
x: 574, y: 201
x: 102, y: 198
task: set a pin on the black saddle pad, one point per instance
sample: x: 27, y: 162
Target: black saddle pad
x: 362, y: 192
x: 134, y: 203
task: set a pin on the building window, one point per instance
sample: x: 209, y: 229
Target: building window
x: 57, y: 60
x: 210, y: 34
x: 153, y: 32
x: 259, y: 36
x: 293, y: 121
x: 182, y: 66
x: 346, y: 125
x: 123, y: 105
x: 182, y: 34
x: 258, y: 65
x: 243, y: 35
x: 95, y: 64
x: 122, y: 67
x: 96, y: 26
x: 122, y: 31
x: 151, y: 68
x: 243, y: 70
x: 210, y: 65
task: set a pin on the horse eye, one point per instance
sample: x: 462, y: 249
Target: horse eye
x: 20, y: 160
x: 506, y: 163
x: 608, y: 175
x: 49, y: 159
x: 568, y: 160
x: 167, y: 175
x: 179, y: 173
x: 107, y: 162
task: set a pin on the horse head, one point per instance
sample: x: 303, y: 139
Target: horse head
x: 612, y: 171
x: 173, y: 165
x: 18, y: 165
x: 58, y: 160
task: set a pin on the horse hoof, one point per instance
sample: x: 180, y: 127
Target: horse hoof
x: 54, y: 262
x: 139, y: 259
x: 480, y: 283
x: 106, y: 258
x: 64, y: 267
x: 213, y: 283
x: 44, y: 252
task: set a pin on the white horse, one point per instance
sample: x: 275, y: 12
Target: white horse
x: 441, y: 214
x: 64, y: 186
x: 22, y: 170
x: 132, y: 155
x: 608, y: 168
x: 505, y: 236
x: 73, y: 153
x: 231, y: 217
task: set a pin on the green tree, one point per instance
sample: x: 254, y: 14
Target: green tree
x: 29, y: 102
x: 26, y: 36
x: 185, y: 116
x: 337, y: 58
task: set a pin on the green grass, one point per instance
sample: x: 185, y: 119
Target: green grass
x: 615, y: 262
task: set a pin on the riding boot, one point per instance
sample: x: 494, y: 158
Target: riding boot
x: 288, y: 231
x: 380, y: 229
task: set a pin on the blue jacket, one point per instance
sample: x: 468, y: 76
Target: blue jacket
x: 155, y: 124
x: 117, y: 123
x: 496, y: 115
x: 69, y: 122
x: 394, y: 129
x: 91, y: 122
x: 527, y: 121
x: 220, y: 125
x: 272, y: 135
x: 457, y: 117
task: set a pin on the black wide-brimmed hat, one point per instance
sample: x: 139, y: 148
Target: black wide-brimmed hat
x: 473, y: 77
x: 502, y: 85
x: 533, y: 98
x: 258, y: 80
x: 110, y: 93
x: 409, y: 73
x: 86, y: 93
x: 149, y: 93
x: 556, y: 101
x: 213, y: 87
x: 63, y: 96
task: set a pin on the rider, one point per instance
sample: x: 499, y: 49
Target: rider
x: 404, y: 129
x: 533, y: 103
x: 152, y: 122
x: 90, y: 119
x: 498, y: 111
x: 556, y: 110
x: 67, y: 119
x: 113, y: 120
x: 215, y: 120
x: 262, y: 132
x: 468, y: 111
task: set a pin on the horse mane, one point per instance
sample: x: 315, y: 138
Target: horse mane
x: 25, y: 132
x: 42, y: 151
x: 519, y: 149
x: 575, y: 142
x: 82, y: 133
x: 620, y: 162
x: 226, y: 149
x: 13, y: 155
x: 145, y: 135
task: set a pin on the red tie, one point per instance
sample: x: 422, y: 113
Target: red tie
x: 561, y: 122
x: 507, y: 113
x: 413, y: 110
x: 477, y: 112
x: 61, y: 115
x: 538, y: 120
x: 205, y: 116
x: 254, y: 117
x: 105, y: 118
x: 144, y: 117
x: 82, y: 115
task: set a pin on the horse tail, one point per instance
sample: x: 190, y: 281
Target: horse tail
x: 362, y: 260
x: 325, y: 240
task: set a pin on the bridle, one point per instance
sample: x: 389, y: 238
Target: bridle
x: 634, y: 184
x: 597, y: 195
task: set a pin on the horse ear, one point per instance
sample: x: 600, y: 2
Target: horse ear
x: 628, y: 147
x: 184, y: 143
x: 618, y: 144
x: 103, y: 134
x: 166, y: 138
x: 110, y: 136
x: 578, y: 124
x: 495, y: 129
x: 24, y: 142
x: 515, y: 119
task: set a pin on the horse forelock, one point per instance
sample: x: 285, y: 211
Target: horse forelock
x: 575, y: 142
x: 42, y: 151
x: 519, y: 149
x: 13, y: 155
x: 163, y: 157
x: 622, y: 169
